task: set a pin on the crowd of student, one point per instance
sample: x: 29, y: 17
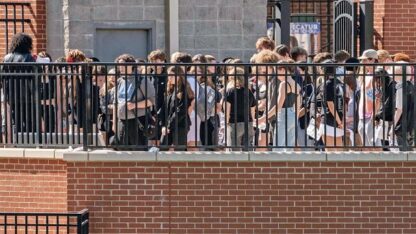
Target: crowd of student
x: 277, y: 101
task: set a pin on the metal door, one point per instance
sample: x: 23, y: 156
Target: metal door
x: 110, y: 43
x: 345, y: 32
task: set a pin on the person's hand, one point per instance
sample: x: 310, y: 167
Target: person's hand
x: 341, y: 126
x: 261, y: 104
x: 165, y: 131
x: 131, y: 106
x: 261, y: 120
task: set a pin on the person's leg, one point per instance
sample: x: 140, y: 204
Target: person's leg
x: 142, y: 141
x: 231, y: 139
x: 240, y: 135
x: 202, y: 126
x: 332, y: 142
x: 251, y: 133
x: 361, y: 132
x: 280, y: 133
x: 262, y: 141
x: 132, y: 133
x: 291, y: 129
x: 215, y: 130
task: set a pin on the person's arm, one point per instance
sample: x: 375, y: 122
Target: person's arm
x: 397, y: 114
x: 299, y: 107
x: 331, y: 108
x: 227, y: 110
x: 399, y: 106
x: 147, y: 89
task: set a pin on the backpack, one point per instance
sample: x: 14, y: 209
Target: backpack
x: 206, y: 98
x: 408, y: 110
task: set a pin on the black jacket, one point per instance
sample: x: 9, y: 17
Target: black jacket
x: 19, y: 89
x: 175, y: 112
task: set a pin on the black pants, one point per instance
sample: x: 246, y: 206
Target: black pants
x: 129, y: 134
x: 23, y: 117
x: 176, y: 138
x: 208, y: 132
x: 48, y: 117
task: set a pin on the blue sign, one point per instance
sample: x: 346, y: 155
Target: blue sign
x: 305, y: 28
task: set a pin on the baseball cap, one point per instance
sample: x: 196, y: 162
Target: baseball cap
x: 369, y: 54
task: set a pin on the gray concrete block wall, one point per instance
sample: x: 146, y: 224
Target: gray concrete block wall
x: 218, y: 27
x: 71, y: 23
x: 221, y: 27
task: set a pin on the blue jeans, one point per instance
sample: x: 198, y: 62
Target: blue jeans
x: 284, y: 133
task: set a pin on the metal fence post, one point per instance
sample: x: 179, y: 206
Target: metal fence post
x: 247, y: 109
x: 86, y: 80
x: 403, y: 118
x: 79, y: 224
x: 38, y: 123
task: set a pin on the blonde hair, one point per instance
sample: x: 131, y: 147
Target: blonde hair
x: 266, y: 56
x: 383, y: 54
x: 264, y: 43
x: 210, y: 58
x: 155, y: 55
x: 235, y: 78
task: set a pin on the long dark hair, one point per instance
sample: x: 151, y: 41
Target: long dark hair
x: 181, y: 84
x: 21, y: 43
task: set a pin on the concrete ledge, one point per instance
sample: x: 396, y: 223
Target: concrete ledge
x: 59, y: 153
x: 40, y: 153
x: 367, y: 156
x: 202, y: 156
x: 76, y: 156
x: 411, y: 156
x: 110, y: 155
x: 287, y: 156
x: 12, y: 153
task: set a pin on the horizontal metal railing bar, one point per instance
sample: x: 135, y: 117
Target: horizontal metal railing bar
x: 16, y: 20
x: 75, y: 214
x: 12, y: 224
x: 14, y: 3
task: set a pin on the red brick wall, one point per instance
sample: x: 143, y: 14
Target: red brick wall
x: 33, y: 185
x: 218, y: 197
x: 396, y: 22
x: 246, y: 197
x: 37, y: 28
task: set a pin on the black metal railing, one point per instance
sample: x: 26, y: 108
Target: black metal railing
x: 45, y: 222
x: 259, y: 107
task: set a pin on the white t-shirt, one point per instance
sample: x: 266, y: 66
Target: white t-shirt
x: 399, y: 95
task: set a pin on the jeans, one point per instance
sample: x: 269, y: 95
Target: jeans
x: 284, y: 133
x: 366, y: 131
x: 303, y: 139
x: 235, y: 135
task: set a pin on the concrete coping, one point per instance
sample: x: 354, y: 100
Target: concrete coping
x: 204, y: 156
